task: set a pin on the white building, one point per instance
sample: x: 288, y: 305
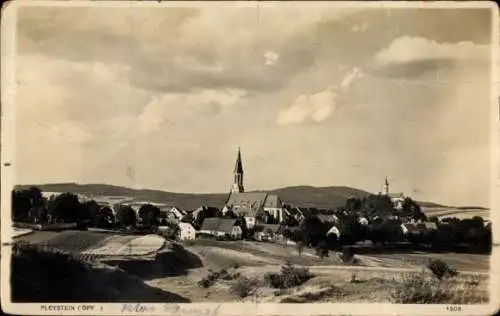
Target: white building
x: 396, y: 198
x: 186, y: 232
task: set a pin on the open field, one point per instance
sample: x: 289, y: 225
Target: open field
x: 177, y: 268
x: 376, y: 275
x: 441, y: 212
x: 94, y: 243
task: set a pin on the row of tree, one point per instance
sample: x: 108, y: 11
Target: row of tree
x: 30, y: 206
x: 384, y: 227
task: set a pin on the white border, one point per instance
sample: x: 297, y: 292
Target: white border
x: 8, y: 49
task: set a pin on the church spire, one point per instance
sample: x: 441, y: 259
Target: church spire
x: 385, y: 191
x: 238, y: 175
x: 238, y: 168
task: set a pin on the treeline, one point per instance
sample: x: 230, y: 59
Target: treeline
x: 375, y: 219
x: 29, y: 206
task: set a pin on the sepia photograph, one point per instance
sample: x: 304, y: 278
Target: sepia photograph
x: 274, y: 154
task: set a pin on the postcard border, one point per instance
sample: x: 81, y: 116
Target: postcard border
x: 8, y: 179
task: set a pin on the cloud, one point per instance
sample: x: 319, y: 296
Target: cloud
x: 414, y: 49
x: 271, y: 58
x: 360, y: 27
x: 316, y: 107
x: 350, y: 77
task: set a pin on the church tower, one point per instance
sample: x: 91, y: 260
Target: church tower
x: 385, y: 190
x: 238, y: 175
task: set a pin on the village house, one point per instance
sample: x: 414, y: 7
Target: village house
x: 418, y: 228
x: 171, y: 213
x: 268, y: 232
x: 223, y: 228
x: 333, y: 230
x: 186, y: 231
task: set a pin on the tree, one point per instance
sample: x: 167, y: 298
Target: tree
x: 92, y: 209
x: 149, y: 215
x: 300, y: 247
x: 106, y: 218
x: 322, y: 250
x: 412, y: 209
x: 65, y: 208
x: 38, y: 214
x: 126, y: 216
x: 353, y: 205
x: 313, y: 230
x: 35, y: 195
x: 21, y: 205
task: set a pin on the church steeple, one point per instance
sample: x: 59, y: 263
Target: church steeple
x: 238, y: 175
x: 385, y: 191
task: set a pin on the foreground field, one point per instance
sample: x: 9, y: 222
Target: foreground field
x: 375, y: 276
x: 177, y: 268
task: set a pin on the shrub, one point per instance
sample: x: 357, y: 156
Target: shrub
x: 244, y: 286
x: 417, y: 289
x: 289, y: 277
x: 441, y: 270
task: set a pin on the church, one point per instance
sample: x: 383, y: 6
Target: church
x: 255, y: 207
x: 396, y: 198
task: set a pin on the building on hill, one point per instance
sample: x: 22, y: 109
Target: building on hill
x: 221, y: 228
x: 252, y: 205
x: 396, y: 198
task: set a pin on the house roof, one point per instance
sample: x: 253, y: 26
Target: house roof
x: 272, y: 200
x: 325, y: 218
x: 218, y: 224
x: 185, y: 225
x: 430, y: 225
x: 396, y: 195
x: 274, y: 228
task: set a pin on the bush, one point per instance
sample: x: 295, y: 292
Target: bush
x: 289, y: 277
x: 417, y: 289
x: 440, y: 269
x: 214, y: 276
x: 244, y: 286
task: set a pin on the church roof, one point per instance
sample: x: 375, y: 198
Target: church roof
x: 238, y: 168
x: 396, y: 195
x: 246, y: 203
x: 272, y: 200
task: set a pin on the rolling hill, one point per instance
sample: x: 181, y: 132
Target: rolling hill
x: 307, y: 196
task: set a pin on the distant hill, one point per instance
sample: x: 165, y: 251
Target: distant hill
x: 306, y: 196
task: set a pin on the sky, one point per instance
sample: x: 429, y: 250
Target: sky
x: 161, y: 98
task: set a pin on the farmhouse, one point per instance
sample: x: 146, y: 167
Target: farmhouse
x: 221, y: 228
x: 186, y: 231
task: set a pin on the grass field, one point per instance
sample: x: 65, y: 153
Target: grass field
x: 178, y: 269
x: 441, y: 212
x: 94, y: 243
x: 376, y: 275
